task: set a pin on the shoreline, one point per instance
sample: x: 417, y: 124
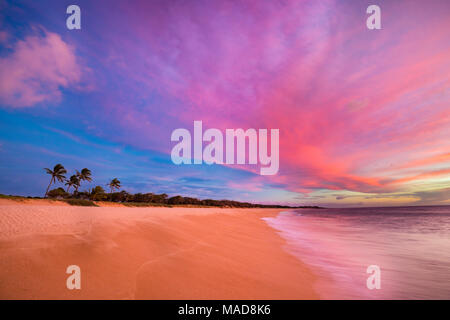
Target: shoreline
x: 147, y: 253
x: 13, y: 200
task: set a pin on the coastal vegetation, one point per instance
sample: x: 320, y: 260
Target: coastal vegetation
x: 89, y: 196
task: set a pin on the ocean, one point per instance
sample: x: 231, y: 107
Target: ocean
x: 410, y: 245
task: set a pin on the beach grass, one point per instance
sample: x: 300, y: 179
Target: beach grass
x: 81, y: 202
x: 16, y: 198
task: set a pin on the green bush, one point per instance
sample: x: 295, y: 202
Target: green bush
x: 98, y: 194
x: 58, y: 193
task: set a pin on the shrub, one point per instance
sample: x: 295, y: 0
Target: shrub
x: 159, y: 198
x: 58, y: 193
x: 121, y: 196
x: 98, y: 194
x: 176, y: 200
x: 81, y: 195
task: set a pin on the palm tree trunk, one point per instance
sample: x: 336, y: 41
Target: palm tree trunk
x: 46, y: 191
x: 68, y: 187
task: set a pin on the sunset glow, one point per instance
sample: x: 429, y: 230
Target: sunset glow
x: 363, y: 115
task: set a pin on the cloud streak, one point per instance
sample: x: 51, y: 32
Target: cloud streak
x: 359, y: 111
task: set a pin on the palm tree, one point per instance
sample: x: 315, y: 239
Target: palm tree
x: 84, y: 175
x: 77, y: 183
x: 73, y: 181
x: 58, y: 173
x: 114, y: 184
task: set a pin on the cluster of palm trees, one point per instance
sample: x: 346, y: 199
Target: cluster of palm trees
x: 58, y: 174
x: 75, y: 180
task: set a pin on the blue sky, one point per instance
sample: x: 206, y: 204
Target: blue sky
x: 363, y: 114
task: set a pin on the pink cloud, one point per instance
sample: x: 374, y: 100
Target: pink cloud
x: 351, y: 104
x: 3, y: 36
x: 36, y: 70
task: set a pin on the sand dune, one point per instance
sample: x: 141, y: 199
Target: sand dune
x: 146, y: 253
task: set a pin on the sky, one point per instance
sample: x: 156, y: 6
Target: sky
x: 363, y: 115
